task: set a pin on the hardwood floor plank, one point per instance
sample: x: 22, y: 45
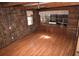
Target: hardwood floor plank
x: 41, y: 43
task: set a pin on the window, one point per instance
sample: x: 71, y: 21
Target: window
x: 30, y: 20
x: 62, y: 19
x: 59, y: 17
x: 52, y: 19
x: 29, y: 17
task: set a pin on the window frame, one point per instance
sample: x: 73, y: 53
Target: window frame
x: 31, y: 22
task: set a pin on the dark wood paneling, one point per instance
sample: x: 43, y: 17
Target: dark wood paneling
x: 17, y: 21
x: 72, y: 17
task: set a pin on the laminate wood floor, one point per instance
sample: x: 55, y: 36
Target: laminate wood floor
x: 41, y: 44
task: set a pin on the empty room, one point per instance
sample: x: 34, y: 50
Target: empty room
x: 39, y: 28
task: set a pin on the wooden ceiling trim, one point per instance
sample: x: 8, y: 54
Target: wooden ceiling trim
x: 34, y: 5
x: 11, y: 4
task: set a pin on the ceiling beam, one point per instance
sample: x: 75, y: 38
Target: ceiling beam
x: 10, y: 4
x: 34, y: 5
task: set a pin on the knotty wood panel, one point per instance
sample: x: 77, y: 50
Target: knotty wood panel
x: 36, y: 18
x: 13, y: 25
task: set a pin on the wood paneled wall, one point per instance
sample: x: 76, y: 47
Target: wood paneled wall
x: 13, y: 25
x: 72, y: 18
x: 36, y: 17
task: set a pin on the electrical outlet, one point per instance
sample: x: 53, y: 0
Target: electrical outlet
x: 10, y: 27
x: 12, y: 37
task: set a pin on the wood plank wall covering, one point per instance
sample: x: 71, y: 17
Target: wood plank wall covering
x: 13, y: 25
x: 36, y: 18
x: 72, y: 18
